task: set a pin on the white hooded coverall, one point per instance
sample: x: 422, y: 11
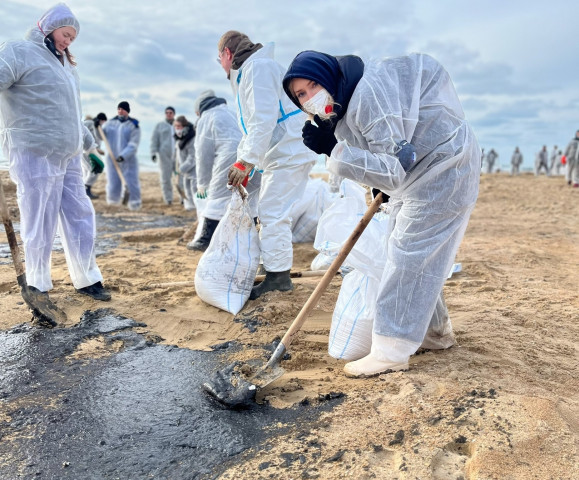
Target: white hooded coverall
x: 271, y: 126
x: 42, y: 135
x: 411, y: 98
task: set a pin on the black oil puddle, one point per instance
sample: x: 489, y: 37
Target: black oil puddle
x: 109, y: 228
x: 135, y: 413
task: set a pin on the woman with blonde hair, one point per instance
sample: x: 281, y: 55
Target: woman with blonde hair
x: 43, y: 135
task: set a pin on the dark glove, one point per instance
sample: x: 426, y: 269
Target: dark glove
x: 320, y: 139
x: 120, y: 159
x: 385, y: 197
x: 97, y: 164
x: 154, y: 158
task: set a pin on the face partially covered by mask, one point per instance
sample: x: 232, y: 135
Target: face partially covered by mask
x: 320, y: 104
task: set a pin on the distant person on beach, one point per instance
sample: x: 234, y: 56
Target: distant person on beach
x: 571, y: 153
x: 516, y: 161
x: 162, y: 150
x: 397, y: 125
x: 554, y: 160
x: 43, y: 137
x: 542, y: 161
x: 271, y: 142
x: 216, y: 145
x: 124, y: 135
x: 93, y: 166
x: 490, y: 159
x: 184, y: 159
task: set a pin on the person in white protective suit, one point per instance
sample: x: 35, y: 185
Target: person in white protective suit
x: 572, y: 159
x: 542, y: 161
x: 43, y: 136
x: 163, y: 149
x: 397, y: 125
x: 184, y: 158
x: 271, y: 143
x: 516, y: 161
x: 124, y: 135
x: 490, y: 160
x: 216, y: 143
x: 92, y: 165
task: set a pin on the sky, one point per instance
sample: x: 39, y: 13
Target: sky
x: 512, y: 62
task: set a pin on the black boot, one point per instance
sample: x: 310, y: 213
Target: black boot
x: 90, y: 195
x: 207, y: 232
x: 96, y: 291
x: 273, y: 281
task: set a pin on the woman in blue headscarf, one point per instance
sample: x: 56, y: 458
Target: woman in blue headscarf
x: 397, y: 125
x: 43, y: 136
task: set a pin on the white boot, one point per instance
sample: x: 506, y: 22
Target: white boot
x: 432, y: 341
x: 387, y: 355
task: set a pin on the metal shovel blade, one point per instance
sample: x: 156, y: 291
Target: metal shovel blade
x: 237, y: 384
x: 43, y: 309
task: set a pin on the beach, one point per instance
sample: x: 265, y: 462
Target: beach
x: 501, y: 404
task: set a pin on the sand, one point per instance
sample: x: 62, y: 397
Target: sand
x: 501, y: 404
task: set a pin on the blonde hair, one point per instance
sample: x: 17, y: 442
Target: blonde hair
x: 231, y: 40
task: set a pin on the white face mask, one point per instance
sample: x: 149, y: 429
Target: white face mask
x: 318, y: 103
x: 179, y: 133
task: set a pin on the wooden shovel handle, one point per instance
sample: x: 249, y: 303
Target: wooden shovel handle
x: 12, y: 242
x: 334, y: 267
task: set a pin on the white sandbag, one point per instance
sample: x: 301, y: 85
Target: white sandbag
x: 307, y: 212
x: 353, y: 317
x: 226, y: 271
x: 368, y: 254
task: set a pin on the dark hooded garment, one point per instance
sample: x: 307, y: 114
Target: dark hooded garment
x: 338, y: 75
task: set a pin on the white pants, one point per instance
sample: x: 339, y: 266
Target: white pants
x: 49, y: 198
x: 280, y: 189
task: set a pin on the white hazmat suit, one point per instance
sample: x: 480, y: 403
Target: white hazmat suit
x: 163, y: 144
x: 411, y: 98
x: 43, y: 136
x: 123, y: 135
x: 271, y: 126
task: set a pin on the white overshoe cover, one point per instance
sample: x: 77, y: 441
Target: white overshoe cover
x: 386, y: 355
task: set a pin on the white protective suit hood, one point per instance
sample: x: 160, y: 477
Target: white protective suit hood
x: 58, y: 16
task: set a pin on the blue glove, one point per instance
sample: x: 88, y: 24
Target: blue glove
x: 319, y: 139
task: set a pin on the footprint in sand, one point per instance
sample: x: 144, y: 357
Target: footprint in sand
x: 450, y: 462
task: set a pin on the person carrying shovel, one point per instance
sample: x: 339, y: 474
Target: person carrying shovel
x: 397, y: 125
x: 43, y: 140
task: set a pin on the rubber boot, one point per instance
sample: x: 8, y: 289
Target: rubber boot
x: 204, y: 240
x: 90, y: 195
x: 273, y: 281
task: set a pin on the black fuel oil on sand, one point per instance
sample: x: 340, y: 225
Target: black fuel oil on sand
x: 138, y: 412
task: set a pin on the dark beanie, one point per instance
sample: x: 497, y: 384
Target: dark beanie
x: 101, y: 116
x: 319, y: 67
x: 125, y: 106
x: 170, y: 108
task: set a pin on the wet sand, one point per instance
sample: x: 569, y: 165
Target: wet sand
x: 500, y: 404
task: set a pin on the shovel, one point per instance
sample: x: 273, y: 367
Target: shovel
x: 126, y: 193
x: 46, y: 312
x: 236, y: 385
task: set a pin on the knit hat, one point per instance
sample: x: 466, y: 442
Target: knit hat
x: 58, y: 16
x: 101, y: 116
x: 201, y: 97
x: 125, y: 106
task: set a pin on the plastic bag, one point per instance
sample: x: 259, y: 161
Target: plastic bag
x: 226, y: 271
x: 353, y: 317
